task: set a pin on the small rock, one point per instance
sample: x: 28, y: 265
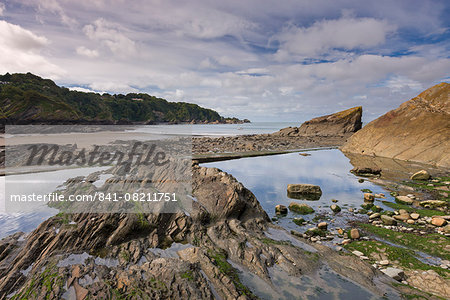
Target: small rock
x: 388, y: 220
x: 438, y: 222
x: 358, y: 253
x: 404, y: 200
x: 374, y: 216
x: 351, y: 209
x: 322, y: 225
x: 354, y: 233
x: 366, y: 171
x: 421, y: 175
x: 360, y: 180
x: 364, y: 257
x: 447, y: 228
x: 384, y: 262
x: 304, y: 191
x: 380, y: 195
x: 304, y: 154
x: 433, y: 203
x: 414, y: 216
x: 301, y: 208
x: 335, y: 208
x: 369, y: 197
x: 410, y: 222
x: 334, y: 200
x: 395, y: 273
x: 281, y: 209
x: 340, y: 231
x: 402, y: 217
x: 345, y: 241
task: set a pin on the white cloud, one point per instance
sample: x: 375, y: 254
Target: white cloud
x: 323, y: 36
x: 221, y: 55
x: 54, y: 7
x: 82, y: 89
x: 399, y: 83
x: 20, y: 49
x: 2, y: 9
x: 87, y: 52
x: 109, y: 34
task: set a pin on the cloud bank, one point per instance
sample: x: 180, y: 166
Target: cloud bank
x: 258, y: 59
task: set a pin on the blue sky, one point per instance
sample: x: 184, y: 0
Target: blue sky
x: 262, y: 60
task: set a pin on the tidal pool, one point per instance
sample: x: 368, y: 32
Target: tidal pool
x: 268, y: 176
x: 26, y: 216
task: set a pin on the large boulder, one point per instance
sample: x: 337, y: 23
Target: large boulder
x: 304, y: 191
x: 340, y: 123
x: 418, y: 130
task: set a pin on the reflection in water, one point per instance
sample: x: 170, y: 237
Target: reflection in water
x: 325, y: 284
x: 31, y: 214
x: 268, y: 176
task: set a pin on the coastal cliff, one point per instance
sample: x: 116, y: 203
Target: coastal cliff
x: 343, y: 122
x: 418, y: 130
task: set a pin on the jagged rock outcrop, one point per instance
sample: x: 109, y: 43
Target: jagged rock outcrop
x: 340, y: 123
x: 418, y: 130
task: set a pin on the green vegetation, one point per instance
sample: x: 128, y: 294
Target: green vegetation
x: 301, y: 209
x: 125, y: 255
x: 366, y: 191
x: 423, y: 295
x: 220, y: 260
x: 40, y: 283
x: 316, y: 232
x: 299, y: 221
x: 408, y: 208
x: 433, y: 244
x: 62, y: 218
x: 400, y: 256
x: 367, y: 205
x: 28, y: 98
x: 189, y: 275
x: 421, y: 185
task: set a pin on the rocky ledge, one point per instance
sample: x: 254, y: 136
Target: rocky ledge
x: 418, y: 130
x: 340, y: 123
x: 326, y: 131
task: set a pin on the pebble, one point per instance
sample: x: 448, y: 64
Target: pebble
x: 384, y: 262
x: 357, y: 253
x: 354, y: 233
x: 438, y: 222
x: 414, y: 216
x: 322, y: 225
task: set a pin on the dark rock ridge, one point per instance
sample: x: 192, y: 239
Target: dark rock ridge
x: 340, y: 123
x: 418, y: 130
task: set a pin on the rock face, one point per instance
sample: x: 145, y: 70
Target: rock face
x: 340, y: 123
x: 418, y: 130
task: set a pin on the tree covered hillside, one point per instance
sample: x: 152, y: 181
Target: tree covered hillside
x: 27, y: 98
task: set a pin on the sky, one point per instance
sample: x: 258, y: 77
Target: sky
x: 280, y: 60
